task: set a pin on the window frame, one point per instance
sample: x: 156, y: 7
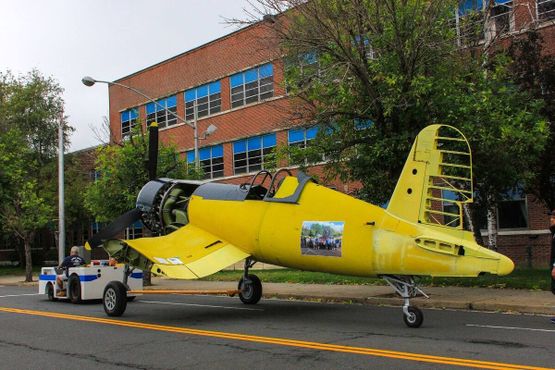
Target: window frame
x: 128, y: 124
x: 213, y: 100
x: 265, y: 151
x: 209, y: 162
x: 161, y: 113
x: 249, y: 84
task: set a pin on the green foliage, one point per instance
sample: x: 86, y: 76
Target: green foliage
x: 123, y: 172
x: 30, y: 114
x: 395, y: 63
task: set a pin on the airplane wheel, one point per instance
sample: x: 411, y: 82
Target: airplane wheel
x: 251, y: 292
x: 415, y: 317
x: 50, y: 292
x: 114, y: 298
x: 74, y: 289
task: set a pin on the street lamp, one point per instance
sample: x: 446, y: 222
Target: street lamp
x: 89, y: 81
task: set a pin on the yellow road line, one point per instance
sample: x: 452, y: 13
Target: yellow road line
x: 280, y: 341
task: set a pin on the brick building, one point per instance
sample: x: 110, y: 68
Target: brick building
x: 236, y: 84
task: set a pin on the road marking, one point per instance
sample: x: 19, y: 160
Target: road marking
x: 18, y: 295
x: 510, y: 328
x: 279, y: 341
x: 200, y: 305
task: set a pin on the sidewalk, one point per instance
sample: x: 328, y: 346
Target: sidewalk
x: 481, y: 299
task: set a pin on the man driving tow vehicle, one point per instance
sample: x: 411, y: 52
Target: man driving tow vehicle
x: 73, y: 260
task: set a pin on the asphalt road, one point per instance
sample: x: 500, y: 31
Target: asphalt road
x: 169, y: 332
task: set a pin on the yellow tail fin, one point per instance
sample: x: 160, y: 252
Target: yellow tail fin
x: 436, y: 180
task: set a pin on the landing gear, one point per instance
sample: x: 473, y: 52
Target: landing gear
x: 250, y: 287
x: 406, y: 287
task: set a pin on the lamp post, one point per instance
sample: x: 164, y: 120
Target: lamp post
x: 89, y: 81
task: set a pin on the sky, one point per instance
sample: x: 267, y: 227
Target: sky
x: 105, y: 39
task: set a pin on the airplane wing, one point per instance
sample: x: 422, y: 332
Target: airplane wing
x: 188, y: 253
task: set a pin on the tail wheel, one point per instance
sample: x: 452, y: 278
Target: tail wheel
x: 250, y: 289
x: 74, y: 289
x: 50, y: 292
x: 414, y: 318
x: 114, y: 298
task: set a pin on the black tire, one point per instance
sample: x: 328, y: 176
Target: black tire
x: 114, y: 299
x: 50, y: 292
x: 74, y: 289
x: 415, y: 318
x: 251, y: 292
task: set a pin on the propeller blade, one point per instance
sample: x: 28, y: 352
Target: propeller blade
x: 114, y: 228
x: 152, y: 150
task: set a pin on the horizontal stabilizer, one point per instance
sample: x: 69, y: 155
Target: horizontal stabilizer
x: 188, y: 253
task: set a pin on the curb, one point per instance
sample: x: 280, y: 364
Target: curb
x: 420, y: 302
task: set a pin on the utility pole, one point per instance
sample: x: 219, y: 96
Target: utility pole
x: 61, y: 207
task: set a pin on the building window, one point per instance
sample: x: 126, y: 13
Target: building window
x: 128, y: 121
x: 472, y: 25
x: 94, y: 175
x: 251, y: 86
x: 206, y: 98
x: 160, y: 112
x: 134, y: 231
x: 512, y: 213
x: 211, y: 160
x: 251, y: 154
x: 545, y: 9
x: 301, y: 137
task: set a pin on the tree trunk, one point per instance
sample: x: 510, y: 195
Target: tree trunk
x: 28, y: 258
x: 492, y: 227
x: 473, y: 223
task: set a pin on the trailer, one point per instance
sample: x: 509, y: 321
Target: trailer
x: 87, y: 282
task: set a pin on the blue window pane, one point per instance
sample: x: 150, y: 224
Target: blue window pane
x: 236, y: 80
x: 240, y: 146
x: 266, y: 70
x: 215, y: 87
x: 295, y: 135
x: 450, y: 195
x: 361, y: 124
x: 311, y: 132
x: 133, y: 114
x: 204, y: 153
x: 254, y: 143
x: 150, y: 108
x: 469, y: 5
x: 202, y: 91
x: 269, y: 140
x: 190, y: 95
x: 190, y: 156
x: 172, y: 102
x: 251, y: 75
x: 125, y: 116
x: 218, y: 151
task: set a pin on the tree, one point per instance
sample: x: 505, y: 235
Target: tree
x: 22, y: 210
x: 534, y: 71
x: 373, y: 73
x: 123, y: 170
x: 30, y: 114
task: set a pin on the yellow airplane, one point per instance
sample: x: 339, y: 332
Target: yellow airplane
x: 297, y: 223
